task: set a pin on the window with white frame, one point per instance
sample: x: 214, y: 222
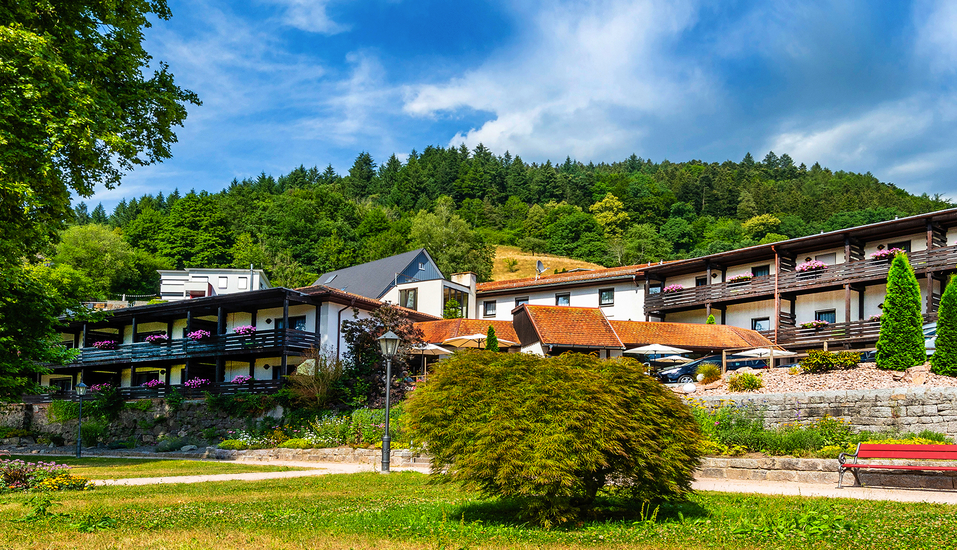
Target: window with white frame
x: 488, y: 308
x: 761, y: 323
x: 223, y: 282
x: 409, y: 298
x: 243, y: 283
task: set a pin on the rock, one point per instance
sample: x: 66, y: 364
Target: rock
x: 187, y: 448
x: 182, y: 433
x: 898, y: 375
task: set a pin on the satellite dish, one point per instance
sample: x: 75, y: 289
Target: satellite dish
x: 539, y: 267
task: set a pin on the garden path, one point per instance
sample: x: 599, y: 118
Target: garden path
x: 934, y: 496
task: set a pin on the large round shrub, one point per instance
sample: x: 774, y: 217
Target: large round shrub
x: 553, y: 432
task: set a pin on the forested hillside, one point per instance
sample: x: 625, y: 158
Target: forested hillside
x: 458, y: 203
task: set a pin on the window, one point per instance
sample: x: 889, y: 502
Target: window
x: 762, y: 323
x: 761, y: 270
x: 828, y: 315
x: 459, y: 296
x: 829, y: 259
x: 563, y: 299
x: 520, y: 301
x: 223, y: 282
x: 606, y: 297
x: 295, y: 323
x: 700, y: 281
x: 409, y: 298
x: 489, y: 308
x: 654, y: 289
x: 421, y: 266
x: 144, y: 377
x: 62, y: 384
x: 903, y: 245
x: 243, y: 283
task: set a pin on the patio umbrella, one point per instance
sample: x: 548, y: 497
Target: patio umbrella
x: 429, y: 349
x: 656, y: 349
x: 474, y: 341
x: 761, y: 353
x: 672, y: 359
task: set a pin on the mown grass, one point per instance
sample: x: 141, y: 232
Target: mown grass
x: 125, y: 468
x: 403, y: 511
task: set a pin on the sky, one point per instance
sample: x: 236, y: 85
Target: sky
x: 855, y: 85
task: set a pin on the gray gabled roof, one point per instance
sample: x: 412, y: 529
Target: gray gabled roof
x: 373, y: 279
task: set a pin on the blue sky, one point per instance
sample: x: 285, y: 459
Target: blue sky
x: 855, y: 85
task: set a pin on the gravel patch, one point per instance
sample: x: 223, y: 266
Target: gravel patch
x: 865, y: 377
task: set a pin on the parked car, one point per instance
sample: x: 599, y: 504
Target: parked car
x: 688, y: 372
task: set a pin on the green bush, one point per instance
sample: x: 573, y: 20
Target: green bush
x: 330, y: 431
x: 143, y: 405
x: 14, y: 432
x: 232, y: 445
x: 744, y: 382
x: 46, y: 439
x: 92, y: 431
x: 901, y: 341
x: 817, y: 361
x: 298, y: 443
x: 171, y: 443
x: 63, y: 411
x: 710, y: 371
x: 174, y: 399
x: 944, y: 359
x: 551, y: 433
x: 847, y: 360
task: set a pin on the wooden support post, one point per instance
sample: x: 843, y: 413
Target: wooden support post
x: 133, y: 376
x: 252, y: 369
x: 282, y: 367
x: 724, y: 316
x: 707, y: 309
x: 220, y: 321
x: 930, y: 234
x: 134, y: 329
x: 318, y: 328
x: 84, y: 335
x: 185, y: 377
x: 847, y: 303
x: 169, y: 374
x: 930, y: 292
x: 647, y: 294
x: 724, y: 362
x: 169, y: 329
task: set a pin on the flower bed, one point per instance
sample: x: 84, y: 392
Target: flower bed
x: 198, y: 335
x: 672, y: 288
x: 157, y: 339
x: 743, y: 278
x: 363, y: 427
x: 815, y: 324
x: 813, y: 265
x: 105, y: 344
x: 17, y: 475
x: 246, y: 330
x: 887, y: 254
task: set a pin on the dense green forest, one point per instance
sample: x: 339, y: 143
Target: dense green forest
x: 458, y: 204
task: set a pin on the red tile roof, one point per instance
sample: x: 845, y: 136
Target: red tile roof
x: 688, y: 335
x: 436, y: 332
x: 623, y: 272
x: 572, y: 326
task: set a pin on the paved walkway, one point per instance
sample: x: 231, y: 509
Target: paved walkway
x: 314, y: 469
x: 934, y: 496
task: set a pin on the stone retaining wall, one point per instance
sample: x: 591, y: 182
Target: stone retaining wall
x: 15, y: 415
x: 824, y: 471
x: 907, y: 409
x: 398, y: 457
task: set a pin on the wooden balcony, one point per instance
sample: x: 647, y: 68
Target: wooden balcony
x: 181, y: 349
x: 835, y: 334
x: 225, y: 388
x: 861, y: 272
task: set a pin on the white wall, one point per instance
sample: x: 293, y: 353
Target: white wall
x: 740, y: 315
x: 629, y: 301
x: 697, y: 316
x: 805, y: 305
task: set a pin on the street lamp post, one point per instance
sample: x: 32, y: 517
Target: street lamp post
x: 388, y: 343
x: 81, y: 391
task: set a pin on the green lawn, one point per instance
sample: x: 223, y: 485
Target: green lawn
x: 403, y: 511
x: 123, y: 468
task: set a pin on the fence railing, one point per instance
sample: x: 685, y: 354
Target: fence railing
x: 185, y: 347
x: 860, y: 271
x: 224, y: 388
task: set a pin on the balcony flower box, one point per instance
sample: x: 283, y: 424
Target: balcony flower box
x: 886, y: 255
x: 246, y: 330
x: 199, y: 335
x: 105, y: 344
x: 196, y: 383
x: 153, y: 384
x: 672, y: 288
x: 157, y: 339
x: 817, y: 324
x: 241, y: 379
x: 874, y: 318
x: 810, y: 270
x: 739, y: 280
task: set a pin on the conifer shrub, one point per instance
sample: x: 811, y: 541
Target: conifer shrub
x: 901, y: 341
x: 710, y: 320
x: 944, y: 359
x: 491, y: 340
x: 552, y: 433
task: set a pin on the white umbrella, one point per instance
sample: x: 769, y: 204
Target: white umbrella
x: 474, y: 341
x: 655, y: 349
x: 429, y: 349
x: 671, y: 359
x: 765, y: 352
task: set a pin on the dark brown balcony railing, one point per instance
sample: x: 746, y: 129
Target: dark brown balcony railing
x: 861, y: 271
x: 215, y: 345
x: 833, y: 333
x: 225, y: 388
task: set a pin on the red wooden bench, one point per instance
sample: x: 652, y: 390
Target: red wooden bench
x: 907, y: 452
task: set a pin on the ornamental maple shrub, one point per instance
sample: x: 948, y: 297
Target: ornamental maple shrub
x: 552, y: 433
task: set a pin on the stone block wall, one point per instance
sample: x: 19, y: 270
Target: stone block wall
x: 15, y: 415
x: 910, y: 409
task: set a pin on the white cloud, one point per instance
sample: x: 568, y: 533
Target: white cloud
x: 585, y: 80
x: 309, y: 16
x: 936, y: 25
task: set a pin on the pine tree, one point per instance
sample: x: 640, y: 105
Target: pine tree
x: 901, y: 341
x: 453, y: 310
x: 944, y: 360
x: 710, y: 320
x: 491, y: 341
